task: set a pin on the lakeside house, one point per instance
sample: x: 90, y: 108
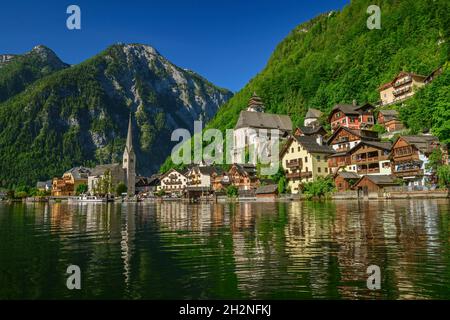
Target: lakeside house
x: 304, y: 159
x: 253, y: 130
x: 201, y: 176
x: 112, y: 174
x: 69, y: 182
x: 44, y: 186
x: 373, y: 186
x: 409, y: 158
x: 267, y: 192
x: 244, y: 176
x: 174, y: 182
x: 352, y: 116
x: 344, y: 180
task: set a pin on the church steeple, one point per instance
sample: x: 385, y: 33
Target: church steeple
x: 255, y: 104
x: 129, y: 161
x: 129, y: 144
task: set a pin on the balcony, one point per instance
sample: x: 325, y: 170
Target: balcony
x: 299, y: 175
x: 402, y: 91
x: 297, y: 163
x: 410, y: 172
x: 402, y: 82
x: 368, y: 171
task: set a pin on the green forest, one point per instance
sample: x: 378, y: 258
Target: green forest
x: 335, y: 58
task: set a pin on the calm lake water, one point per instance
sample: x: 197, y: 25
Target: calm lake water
x: 284, y: 250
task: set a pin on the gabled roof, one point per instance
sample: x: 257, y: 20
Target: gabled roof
x: 351, y: 109
x: 249, y: 119
x: 376, y: 144
x: 102, y: 168
x: 389, y: 112
x: 313, y: 113
x: 401, y: 74
x: 311, y: 145
x: 311, y: 130
x: 181, y: 172
x: 363, y: 134
x: 245, y: 169
x: 424, y: 143
x: 268, y: 189
x: 347, y: 175
x: 79, y: 172
x: 379, y: 180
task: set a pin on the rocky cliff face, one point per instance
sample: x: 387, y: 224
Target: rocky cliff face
x: 79, y: 114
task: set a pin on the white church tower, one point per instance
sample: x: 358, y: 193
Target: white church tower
x: 129, y: 162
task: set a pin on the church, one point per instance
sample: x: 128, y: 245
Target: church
x: 118, y: 173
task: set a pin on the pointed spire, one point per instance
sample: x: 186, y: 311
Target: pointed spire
x: 129, y: 136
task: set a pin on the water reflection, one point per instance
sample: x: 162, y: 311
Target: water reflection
x: 282, y: 250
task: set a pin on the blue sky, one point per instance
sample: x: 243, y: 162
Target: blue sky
x: 226, y: 41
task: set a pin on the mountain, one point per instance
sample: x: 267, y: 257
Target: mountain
x: 78, y: 115
x: 19, y: 71
x: 334, y: 58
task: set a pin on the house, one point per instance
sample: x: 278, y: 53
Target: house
x: 304, y: 158
x: 344, y: 180
x: 174, y: 182
x: 344, y: 139
x: 389, y: 119
x: 312, y: 130
x: 200, y: 176
x: 409, y: 157
x: 244, y: 176
x: 220, y: 181
x: 373, y: 186
x: 267, y: 192
x: 370, y: 157
x: 69, y: 182
x: 351, y: 116
x: 402, y: 87
x: 44, y: 186
x: 258, y: 130
x: 312, y: 117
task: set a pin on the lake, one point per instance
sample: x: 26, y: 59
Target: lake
x: 174, y: 250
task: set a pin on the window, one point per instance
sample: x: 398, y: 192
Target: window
x: 292, y: 150
x: 319, y: 170
x: 298, y: 149
x: 306, y: 161
x: 326, y: 170
x: 318, y: 158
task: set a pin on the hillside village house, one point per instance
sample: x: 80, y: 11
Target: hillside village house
x: 69, y: 182
x: 403, y: 86
x: 304, y: 159
x: 370, y: 157
x: 342, y: 141
x: 409, y: 157
x: 174, y: 182
x: 351, y: 116
x: 253, y: 129
x: 44, y: 186
x: 389, y: 119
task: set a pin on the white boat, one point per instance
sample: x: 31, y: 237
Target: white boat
x: 87, y: 199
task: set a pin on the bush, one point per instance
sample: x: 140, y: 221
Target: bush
x: 232, y: 191
x: 121, y: 188
x: 81, y: 189
x: 319, y: 188
x: 443, y: 174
